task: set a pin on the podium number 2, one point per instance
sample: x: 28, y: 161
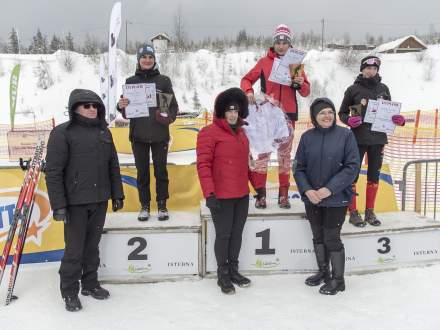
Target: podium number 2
x: 265, y: 242
x: 136, y: 254
x: 386, y: 248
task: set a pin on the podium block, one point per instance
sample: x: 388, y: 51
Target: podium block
x: 151, y: 251
x: 280, y: 241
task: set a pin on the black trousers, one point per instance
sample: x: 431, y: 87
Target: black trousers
x: 141, y: 152
x: 229, y: 222
x: 326, y: 224
x: 375, y: 159
x: 82, y: 234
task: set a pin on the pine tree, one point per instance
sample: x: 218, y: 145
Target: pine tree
x: 91, y: 46
x: 38, y: 44
x: 55, y: 44
x: 13, y: 46
x: 69, y: 43
x: 196, y: 101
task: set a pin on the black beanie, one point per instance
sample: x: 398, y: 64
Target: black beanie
x: 319, y: 104
x: 374, y: 59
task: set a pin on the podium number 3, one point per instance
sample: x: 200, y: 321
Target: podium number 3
x: 136, y: 254
x: 386, y: 248
x: 265, y: 243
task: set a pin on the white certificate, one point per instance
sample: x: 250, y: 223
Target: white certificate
x: 370, y: 114
x: 150, y: 90
x: 386, y: 110
x: 280, y: 73
x: 137, y: 97
x: 293, y: 56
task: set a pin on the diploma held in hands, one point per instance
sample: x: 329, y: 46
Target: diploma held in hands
x: 137, y: 97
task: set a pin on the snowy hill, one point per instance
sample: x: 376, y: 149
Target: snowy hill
x: 413, y: 78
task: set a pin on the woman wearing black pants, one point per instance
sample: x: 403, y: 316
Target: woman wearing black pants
x: 327, y: 162
x: 367, y: 86
x: 223, y: 166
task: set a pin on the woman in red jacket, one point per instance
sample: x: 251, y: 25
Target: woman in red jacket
x: 223, y: 167
x: 286, y: 97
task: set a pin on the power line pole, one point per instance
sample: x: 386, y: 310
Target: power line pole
x: 322, y: 35
x: 126, y: 35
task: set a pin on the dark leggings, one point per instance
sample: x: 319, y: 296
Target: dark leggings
x: 375, y: 159
x: 326, y: 224
x: 229, y: 222
x: 159, y: 152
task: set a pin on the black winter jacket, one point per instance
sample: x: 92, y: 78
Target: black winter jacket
x: 82, y: 165
x: 327, y: 158
x: 364, y: 88
x: 149, y: 129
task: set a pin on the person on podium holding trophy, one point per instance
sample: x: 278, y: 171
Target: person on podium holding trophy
x: 367, y: 86
x: 284, y: 96
x: 150, y: 131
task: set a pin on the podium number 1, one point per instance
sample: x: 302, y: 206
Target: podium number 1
x: 265, y: 243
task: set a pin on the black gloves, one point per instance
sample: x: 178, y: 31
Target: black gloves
x: 60, y: 215
x: 117, y: 204
x: 212, y: 202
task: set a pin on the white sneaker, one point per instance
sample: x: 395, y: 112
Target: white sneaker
x: 144, y: 214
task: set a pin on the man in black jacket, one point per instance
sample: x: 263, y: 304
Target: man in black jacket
x: 82, y: 174
x: 367, y: 86
x: 151, y: 132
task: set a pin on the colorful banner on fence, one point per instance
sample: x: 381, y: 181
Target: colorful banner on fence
x: 13, y: 92
x: 45, y: 240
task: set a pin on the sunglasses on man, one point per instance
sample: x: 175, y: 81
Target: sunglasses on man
x: 90, y: 105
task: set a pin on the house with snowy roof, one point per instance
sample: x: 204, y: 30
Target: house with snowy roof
x: 161, y: 42
x: 402, y: 45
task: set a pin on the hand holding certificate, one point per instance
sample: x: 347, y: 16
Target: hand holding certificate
x: 385, y: 112
x: 283, y: 70
x: 137, y: 97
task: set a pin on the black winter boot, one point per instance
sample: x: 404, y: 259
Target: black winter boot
x: 337, y: 282
x: 323, y: 274
x: 97, y: 293
x: 73, y: 304
x: 371, y: 218
x: 224, y: 280
x: 260, y: 198
x: 236, y: 277
x: 356, y: 219
x: 162, y: 210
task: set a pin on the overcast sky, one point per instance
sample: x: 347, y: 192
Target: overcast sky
x: 203, y: 18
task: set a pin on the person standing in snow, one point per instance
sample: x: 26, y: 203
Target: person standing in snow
x: 286, y: 97
x: 82, y: 174
x: 367, y: 86
x: 327, y: 162
x: 151, y: 132
x: 223, y: 166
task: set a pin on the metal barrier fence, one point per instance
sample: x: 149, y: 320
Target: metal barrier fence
x: 420, y: 187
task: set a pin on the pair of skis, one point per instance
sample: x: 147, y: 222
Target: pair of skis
x: 22, y: 217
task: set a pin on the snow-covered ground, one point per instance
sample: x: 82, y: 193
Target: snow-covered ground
x: 402, y: 299
x: 413, y: 80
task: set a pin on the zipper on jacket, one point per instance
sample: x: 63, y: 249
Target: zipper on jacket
x: 320, y: 161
